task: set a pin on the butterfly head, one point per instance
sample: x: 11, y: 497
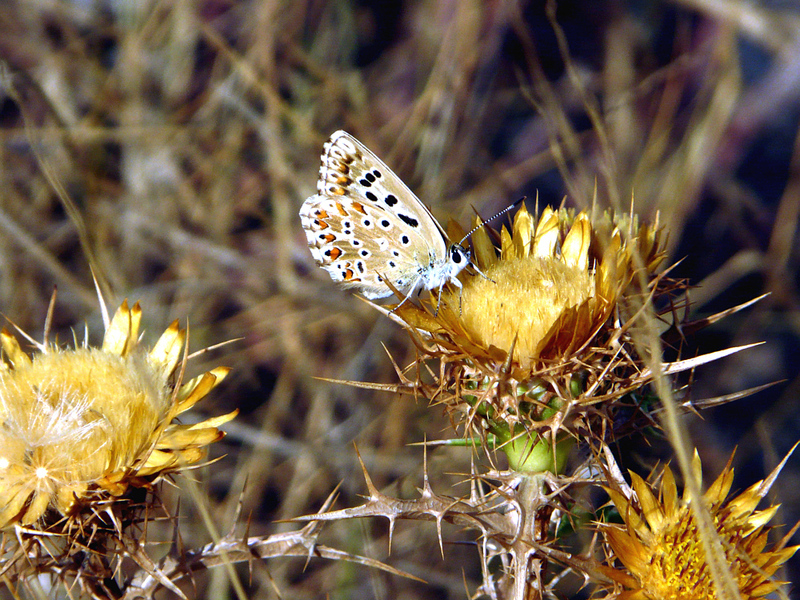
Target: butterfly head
x: 459, y: 256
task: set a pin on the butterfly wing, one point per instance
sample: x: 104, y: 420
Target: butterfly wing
x: 365, y: 224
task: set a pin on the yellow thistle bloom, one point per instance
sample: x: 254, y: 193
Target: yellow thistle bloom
x: 540, y: 327
x: 661, y: 552
x: 553, y: 285
x: 81, y: 425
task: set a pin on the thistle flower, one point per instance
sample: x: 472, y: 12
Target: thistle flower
x: 82, y: 425
x: 533, y: 346
x: 659, y: 555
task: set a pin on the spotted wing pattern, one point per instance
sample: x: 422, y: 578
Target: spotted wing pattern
x: 364, y: 224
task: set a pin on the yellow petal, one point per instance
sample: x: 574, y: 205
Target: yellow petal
x: 196, y: 388
x: 11, y: 347
x: 168, y: 348
x: 485, y: 254
x: 522, y: 234
x: 718, y: 491
x: 575, y: 248
x: 651, y: 508
x: 118, y: 335
x: 13, y: 505
x: 507, y: 249
x: 669, y: 492
x: 184, y: 437
x: 36, y: 508
x: 546, y: 239
x: 216, y: 421
x: 628, y: 549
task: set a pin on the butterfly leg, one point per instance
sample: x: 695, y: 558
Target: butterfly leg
x: 408, y: 295
x: 438, y: 301
x: 481, y: 273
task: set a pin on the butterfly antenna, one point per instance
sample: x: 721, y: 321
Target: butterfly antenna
x: 489, y: 220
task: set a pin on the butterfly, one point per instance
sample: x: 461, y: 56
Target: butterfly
x: 366, y: 227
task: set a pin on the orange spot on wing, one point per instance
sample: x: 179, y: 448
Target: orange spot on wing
x: 321, y: 224
x: 349, y: 275
x: 334, y: 253
x: 341, y: 209
x: 359, y: 207
x: 329, y: 237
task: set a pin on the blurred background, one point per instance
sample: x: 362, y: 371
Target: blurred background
x: 168, y: 145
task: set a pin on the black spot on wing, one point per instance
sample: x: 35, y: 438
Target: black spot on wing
x: 410, y: 221
x: 391, y: 200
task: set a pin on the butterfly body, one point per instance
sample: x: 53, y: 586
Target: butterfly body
x: 365, y: 227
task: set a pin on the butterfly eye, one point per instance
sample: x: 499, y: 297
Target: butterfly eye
x: 458, y: 254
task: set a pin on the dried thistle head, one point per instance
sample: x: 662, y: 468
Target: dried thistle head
x: 81, y: 426
x: 541, y: 342
x: 658, y: 553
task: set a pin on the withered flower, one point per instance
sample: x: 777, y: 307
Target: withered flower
x: 81, y: 425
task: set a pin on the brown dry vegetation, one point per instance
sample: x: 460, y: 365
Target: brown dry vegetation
x: 167, y: 147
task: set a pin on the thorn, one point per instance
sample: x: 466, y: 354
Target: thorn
x: 427, y: 490
x: 103, y: 307
x: 48, y: 321
x: 474, y: 496
x: 439, y: 517
x: 374, y: 494
x: 391, y: 530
